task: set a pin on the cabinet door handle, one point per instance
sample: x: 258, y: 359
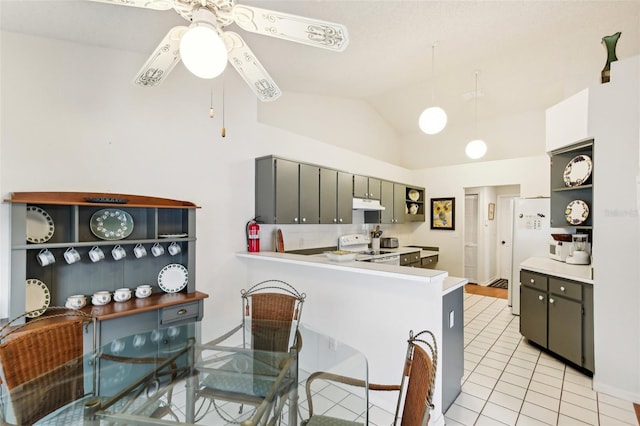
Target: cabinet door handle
x: 551, y: 300
x: 340, y: 220
x: 181, y: 311
x: 335, y: 220
x: 295, y: 219
x: 562, y: 288
x: 304, y: 219
x: 532, y: 281
x: 540, y: 298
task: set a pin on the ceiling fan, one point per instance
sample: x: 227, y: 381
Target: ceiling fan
x: 218, y: 14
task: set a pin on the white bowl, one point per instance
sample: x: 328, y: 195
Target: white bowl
x: 340, y: 255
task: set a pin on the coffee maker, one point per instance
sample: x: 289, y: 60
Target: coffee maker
x: 580, y: 253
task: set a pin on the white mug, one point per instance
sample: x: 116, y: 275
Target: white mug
x: 139, y: 340
x: 118, y: 252
x: 101, y: 298
x: 96, y: 254
x: 45, y: 257
x: 122, y: 295
x: 375, y: 244
x: 143, y: 291
x: 157, y: 250
x: 71, y: 255
x: 76, y: 301
x: 139, y: 251
x: 174, y: 248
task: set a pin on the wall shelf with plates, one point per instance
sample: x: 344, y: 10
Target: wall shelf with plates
x: 415, y: 204
x: 572, y: 177
x: 59, y: 221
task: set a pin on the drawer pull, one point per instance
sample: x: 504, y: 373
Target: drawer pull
x: 532, y: 281
x: 540, y: 297
x: 551, y: 301
x: 182, y: 311
x: 562, y: 288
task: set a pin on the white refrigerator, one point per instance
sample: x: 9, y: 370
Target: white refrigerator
x: 530, y: 237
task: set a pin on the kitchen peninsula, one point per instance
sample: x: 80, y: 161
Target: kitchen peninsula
x: 372, y: 307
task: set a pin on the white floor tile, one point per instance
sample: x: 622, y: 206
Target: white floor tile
x: 584, y: 391
x: 500, y: 413
x: 540, y: 413
x: 570, y: 421
x: 580, y: 401
x: 505, y: 400
x: 529, y: 421
x: 487, y: 421
x: 545, y: 389
x: 470, y: 402
x: 577, y: 412
x: 623, y: 414
x: 510, y: 389
x: 476, y: 390
x: 542, y: 400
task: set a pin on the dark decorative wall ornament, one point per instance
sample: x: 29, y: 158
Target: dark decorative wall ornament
x: 609, y: 43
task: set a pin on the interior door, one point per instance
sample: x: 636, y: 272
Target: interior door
x: 504, y: 216
x: 471, y: 237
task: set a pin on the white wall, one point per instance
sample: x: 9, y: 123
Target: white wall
x: 531, y: 173
x: 73, y: 121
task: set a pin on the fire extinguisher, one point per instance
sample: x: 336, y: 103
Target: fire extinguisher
x: 253, y: 236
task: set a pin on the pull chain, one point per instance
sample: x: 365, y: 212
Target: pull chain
x: 224, y: 131
x: 212, y: 113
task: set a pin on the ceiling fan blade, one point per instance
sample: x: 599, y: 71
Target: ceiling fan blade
x: 248, y: 66
x: 312, y: 32
x: 162, y: 60
x: 148, y: 4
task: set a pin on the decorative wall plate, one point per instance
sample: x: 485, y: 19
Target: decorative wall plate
x: 414, y: 195
x: 40, y: 226
x: 37, y: 298
x: 577, y: 171
x: 173, y: 278
x: 111, y: 224
x: 576, y: 212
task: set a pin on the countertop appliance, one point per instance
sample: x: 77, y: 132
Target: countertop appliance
x: 359, y: 243
x: 389, y: 242
x: 559, y: 250
x: 530, y: 237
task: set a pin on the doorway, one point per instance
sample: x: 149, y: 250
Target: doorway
x: 488, y: 224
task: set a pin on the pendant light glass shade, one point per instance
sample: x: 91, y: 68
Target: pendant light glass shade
x: 476, y: 149
x: 433, y: 119
x: 201, y: 49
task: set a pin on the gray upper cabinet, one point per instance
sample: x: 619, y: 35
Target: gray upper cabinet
x: 335, y: 196
x: 366, y: 187
x: 309, y: 193
x: 277, y: 190
x: 392, y: 198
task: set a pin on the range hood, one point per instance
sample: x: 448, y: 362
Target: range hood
x: 366, y: 204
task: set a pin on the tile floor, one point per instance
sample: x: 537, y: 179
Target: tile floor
x: 506, y: 382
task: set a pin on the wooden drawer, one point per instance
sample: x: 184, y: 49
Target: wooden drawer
x: 566, y: 288
x: 409, y: 258
x: 429, y: 262
x: 533, y: 280
x: 180, y: 312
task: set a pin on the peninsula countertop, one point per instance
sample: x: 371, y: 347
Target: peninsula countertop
x: 378, y: 269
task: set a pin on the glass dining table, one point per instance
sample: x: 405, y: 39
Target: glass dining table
x: 167, y: 376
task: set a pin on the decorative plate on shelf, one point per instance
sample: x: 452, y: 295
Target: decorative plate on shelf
x: 414, y: 195
x: 577, y: 171
x: 576, y: 212
x: 37, y: 298
x: 111, y: 224
x: 181, y: 235
x: 173, y: 278
x: 39, y: 225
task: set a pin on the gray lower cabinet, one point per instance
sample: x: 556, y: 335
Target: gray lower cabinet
x: 453, y: 346
x: 335, y: 196
x: 557, y: 314
x: 410, y: 259
x: 429, y: 262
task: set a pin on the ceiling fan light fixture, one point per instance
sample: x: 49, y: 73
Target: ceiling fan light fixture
x: 201, y: 49
x: 432, y: 120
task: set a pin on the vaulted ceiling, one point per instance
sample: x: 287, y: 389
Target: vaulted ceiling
x: 529, y: 55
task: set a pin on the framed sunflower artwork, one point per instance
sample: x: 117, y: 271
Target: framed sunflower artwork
x: 443, y: 213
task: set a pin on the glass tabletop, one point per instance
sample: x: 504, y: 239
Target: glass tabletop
x: 167, y: 376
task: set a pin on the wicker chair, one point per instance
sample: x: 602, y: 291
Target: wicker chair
x: 42, y: 366
x: 419, y: 370
x: 271, y: 313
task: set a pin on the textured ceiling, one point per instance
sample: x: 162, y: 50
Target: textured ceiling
x: 529, y: 54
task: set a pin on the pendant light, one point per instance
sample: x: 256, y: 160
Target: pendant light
x: 201, y: 49
x: 433, y: 119
x: 476, y: 148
